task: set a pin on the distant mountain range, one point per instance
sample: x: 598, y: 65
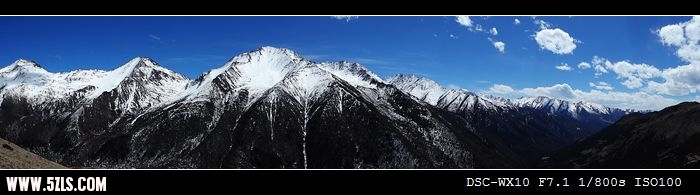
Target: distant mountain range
x: 271, y: 108
x: 530, y: 127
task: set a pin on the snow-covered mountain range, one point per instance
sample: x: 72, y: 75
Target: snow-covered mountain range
x: 271, y: 108
x: 461, y: 99
x: 532, y: 126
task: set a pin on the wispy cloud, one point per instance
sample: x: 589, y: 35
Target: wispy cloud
x: 154, y: 37
x: 501, y: 89
x: 600, y: 85
x: 584, y: 65
x: 346, y: 18
x: 564, y: 67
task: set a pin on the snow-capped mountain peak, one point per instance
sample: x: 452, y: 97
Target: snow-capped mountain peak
x: 24, y: 77
x: 574, y: 109
x: 421, y: 87
x: 261, y: 104
x: 460, y: 99
x: 262, y: 69
x: 139, y: 68
x: 545, y: 103
x: 267, y: 54
x: 23, y: 62
x: 22, y: 65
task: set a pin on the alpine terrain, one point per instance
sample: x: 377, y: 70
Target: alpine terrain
x: 531, y: 127
x: 664, y: 139
x: 271, y: 108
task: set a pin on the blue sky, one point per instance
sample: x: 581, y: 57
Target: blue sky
x: 641, y: 62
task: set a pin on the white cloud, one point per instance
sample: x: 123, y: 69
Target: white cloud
x: 501, y: 89
x: 599, y: 65
x: 467, y: 22
x: 346, y: 18
x: 599, y: 60
x: 677, y: 81
x: 584, y: 65
x: 685, y: 36
x: 543, y: 25
x: 688, y: 74
x: 478, y: 28
x: 500, y: 46
x: 154, y: 37
x: 672, y: 35
x: 464, y: 21
x: 516, y: 21
x: 692, y: 30
x: 681, y: 80
x: 555, y: 40
x: 561, y: 91
x: 690, y: 53
x: 684, y: 79
x: 633, y: 74
x: 564, y: 67
x: 599, y: 70
x: 453, y: 36
x: 493, y: 31
x: 634, y: 100
x: 600, y: 85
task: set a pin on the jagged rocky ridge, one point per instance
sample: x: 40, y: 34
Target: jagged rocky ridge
x: 267, y: 108
x: 270, y: 108
x: 531, y: 127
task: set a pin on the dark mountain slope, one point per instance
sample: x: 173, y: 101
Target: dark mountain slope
x: 664, y: 139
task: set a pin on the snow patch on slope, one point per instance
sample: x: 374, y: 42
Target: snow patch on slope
x: 420, y: 87
x: 353, y: 73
